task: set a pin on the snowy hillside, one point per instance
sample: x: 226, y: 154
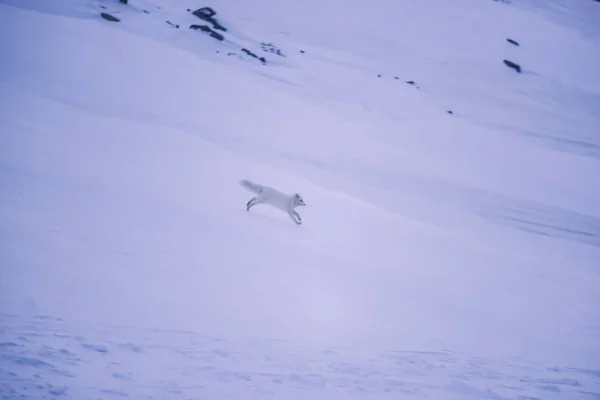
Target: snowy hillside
x: 450, y: 246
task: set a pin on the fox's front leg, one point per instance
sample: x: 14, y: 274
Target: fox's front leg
x: 250, y: 203
x: 295, y: 217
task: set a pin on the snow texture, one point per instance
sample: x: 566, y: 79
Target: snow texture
x: 450, y: 247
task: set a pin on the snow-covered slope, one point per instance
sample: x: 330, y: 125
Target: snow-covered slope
x: 442, y: 255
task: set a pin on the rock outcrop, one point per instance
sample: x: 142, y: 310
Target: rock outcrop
x: 208, y: 14
x: 251, y: 54
x: 207, y: 29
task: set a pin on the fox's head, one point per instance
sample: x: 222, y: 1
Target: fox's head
x: 298, y: 201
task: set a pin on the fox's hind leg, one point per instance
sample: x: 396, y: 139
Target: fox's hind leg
x: 250, y: 203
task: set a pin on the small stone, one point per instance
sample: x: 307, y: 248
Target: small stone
x: 513, y: 65
x: 109, y: 17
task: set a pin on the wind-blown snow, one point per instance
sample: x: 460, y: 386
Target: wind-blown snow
x: 446, y: 256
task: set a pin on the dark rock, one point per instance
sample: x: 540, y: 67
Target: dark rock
x: 270, y: 48
x: 109, y: 17
x: 251, y: 54
x: 123, y: 1
x: 396, y: 78
x: 200, y: 14
x: 513, y: 42
x: 412, y: 83
x: 207, y: 14
x: 218, y: 26
x: 450, y: 112
x: 513, y: 65
x: 217, y: 35
x: 379, y: 75
x: 172, y: 24
x: 206, y: 28
x: 146, y: 12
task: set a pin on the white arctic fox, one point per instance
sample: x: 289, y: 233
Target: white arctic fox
x: 275, y: 198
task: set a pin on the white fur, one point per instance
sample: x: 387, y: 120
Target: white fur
x: 275, y: 198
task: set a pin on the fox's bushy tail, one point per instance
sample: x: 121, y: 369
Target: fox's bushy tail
x: 251, y: 186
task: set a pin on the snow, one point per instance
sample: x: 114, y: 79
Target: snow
x: 440, y: 256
